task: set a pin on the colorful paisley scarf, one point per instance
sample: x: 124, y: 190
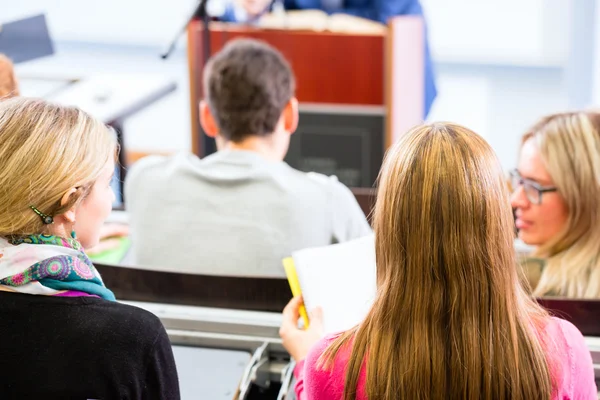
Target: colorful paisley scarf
x: 49, y: 265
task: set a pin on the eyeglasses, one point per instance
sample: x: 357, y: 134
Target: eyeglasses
x: 533, y: 190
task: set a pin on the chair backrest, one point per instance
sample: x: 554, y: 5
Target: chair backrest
x: 582, y: 313
x: 255, y: 294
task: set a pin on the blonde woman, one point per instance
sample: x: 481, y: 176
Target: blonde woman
x: 63, y: 335
x: 8, y: 81
x: 450, y: 320
x: 557, y: 204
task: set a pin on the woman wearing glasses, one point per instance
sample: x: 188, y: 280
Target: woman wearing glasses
x: 556, y: 197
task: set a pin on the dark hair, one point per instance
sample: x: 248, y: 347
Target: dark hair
x: 247, y: 85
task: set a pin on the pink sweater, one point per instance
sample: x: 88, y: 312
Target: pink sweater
x: 576, y: 380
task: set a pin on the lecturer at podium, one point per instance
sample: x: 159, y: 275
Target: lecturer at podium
x: 248, y: 11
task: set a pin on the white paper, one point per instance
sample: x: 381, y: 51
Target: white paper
x: 340, y: 278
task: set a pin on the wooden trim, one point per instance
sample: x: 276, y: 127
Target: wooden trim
x: 236, y: 29
x: 405, y: 76
x: 192, y: 36
x: 388, y: 48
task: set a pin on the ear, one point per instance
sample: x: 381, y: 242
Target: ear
x: 69, y: 215
x: 290, y: 115
x: 207, y: 121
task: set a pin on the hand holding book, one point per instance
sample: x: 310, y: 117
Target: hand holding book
x: 298, y: 341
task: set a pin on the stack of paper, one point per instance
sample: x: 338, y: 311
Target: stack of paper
x: 340, y: 278
x: 316, y: 20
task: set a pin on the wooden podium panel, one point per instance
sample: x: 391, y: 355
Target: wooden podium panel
x: 329, y: 67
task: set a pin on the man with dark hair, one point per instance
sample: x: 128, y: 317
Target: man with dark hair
x: 248, y: 87
x: 241, y: 210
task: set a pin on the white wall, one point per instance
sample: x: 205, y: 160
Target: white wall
x: 509, y: 32
x: 129, y: 22
x: 498, y: 102
x: 596, y: 78
x: 500, y: 64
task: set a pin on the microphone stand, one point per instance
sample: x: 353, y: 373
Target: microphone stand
x: 209, y: 145
x: 198, y: 13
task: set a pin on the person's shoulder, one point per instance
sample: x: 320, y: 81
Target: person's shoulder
x: 327, y: 340
x: 315, y: 358
x: 128, y: 311
x: 565, y: 330
x: 575, y: 369
x: 328, y: 183
x: 340, y: 195
x: 326, y: 376
x: 568, y: 338
x: 152, y: 163
x: 321, y: 179
x: 314, y: 180
x: 144, y: 167
x: 152, y: 168
x: 116, y: 315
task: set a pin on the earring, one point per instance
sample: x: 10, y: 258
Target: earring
x: 73, y: 234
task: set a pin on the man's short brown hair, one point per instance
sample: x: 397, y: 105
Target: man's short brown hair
x: 8, y: 81
x: 247, y: 86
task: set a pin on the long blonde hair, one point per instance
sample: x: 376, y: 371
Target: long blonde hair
x: 8, y: 82
x: 569, y: 146
x: 45, y: 150
x: 451, y: 320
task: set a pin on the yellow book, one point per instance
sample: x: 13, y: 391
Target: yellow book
x: 290, y: 271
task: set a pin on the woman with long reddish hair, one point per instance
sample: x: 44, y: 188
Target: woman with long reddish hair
x: 451, y: 320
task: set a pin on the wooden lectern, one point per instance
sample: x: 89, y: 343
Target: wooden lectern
x: 363, y: 71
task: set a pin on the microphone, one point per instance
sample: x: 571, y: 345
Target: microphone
x: 199, y: 12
